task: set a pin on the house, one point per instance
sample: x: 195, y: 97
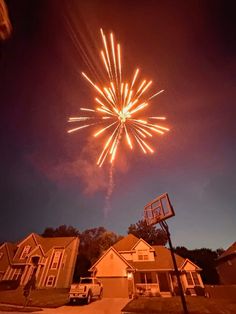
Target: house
x: 52, y: 260
x: 226, y: 266
x: 132, y: 266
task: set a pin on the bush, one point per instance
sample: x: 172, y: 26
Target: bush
x: 176, y: 290
x: 200, y: 291
x: 9, y: 284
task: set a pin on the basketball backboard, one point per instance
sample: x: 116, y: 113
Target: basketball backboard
x: 159, y: 209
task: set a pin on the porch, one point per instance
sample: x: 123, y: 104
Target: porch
x: 153, y: 283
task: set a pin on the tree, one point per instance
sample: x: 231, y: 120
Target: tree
x: 61, y: 231
x: 93, y: 242
x: 205, y: 259
x: 151, y: 234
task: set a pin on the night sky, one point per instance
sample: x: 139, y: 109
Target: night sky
x: 50, y: 178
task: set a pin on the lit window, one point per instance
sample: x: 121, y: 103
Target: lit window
x: 25, y: 252
x: 56, y: 260
x: 50, y: 281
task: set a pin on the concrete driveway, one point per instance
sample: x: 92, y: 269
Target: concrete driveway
x: 104, y: 306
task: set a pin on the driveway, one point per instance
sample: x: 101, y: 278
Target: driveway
x: 104, y: 306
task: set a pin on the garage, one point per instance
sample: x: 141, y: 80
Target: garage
x: 114, y: 287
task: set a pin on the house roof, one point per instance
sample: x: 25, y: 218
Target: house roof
x: 126, y: 244
x: 45, y: 244
x: 10, y: 249
x: 163, y: 260
x: 230, y: 251
x: 49, y: 243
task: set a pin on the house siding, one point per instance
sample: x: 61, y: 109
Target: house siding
x: 44, y: 249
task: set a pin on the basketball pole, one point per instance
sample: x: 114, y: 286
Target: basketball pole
x: 165, y: 227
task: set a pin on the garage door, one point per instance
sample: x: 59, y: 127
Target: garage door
x: 115, y: 287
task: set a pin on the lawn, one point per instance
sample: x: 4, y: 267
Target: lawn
x: 196, y: 305
x: 38, y: 298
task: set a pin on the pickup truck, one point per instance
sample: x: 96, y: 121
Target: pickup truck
x: 86, y: 289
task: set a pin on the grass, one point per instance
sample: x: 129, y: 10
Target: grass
x: 9, y: 308
x: 38, y: 298
x: 196, y: 305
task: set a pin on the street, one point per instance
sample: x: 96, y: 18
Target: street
x: 104, y: 306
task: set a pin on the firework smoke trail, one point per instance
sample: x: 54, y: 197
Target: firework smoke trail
x: 110, y: 189
x: 111, y: 184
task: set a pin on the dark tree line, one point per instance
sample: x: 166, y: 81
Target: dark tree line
x: 205, y: 259
x: 151, y: 234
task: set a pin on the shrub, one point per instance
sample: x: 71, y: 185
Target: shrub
x: 9, y: 284
x: 200, y: 291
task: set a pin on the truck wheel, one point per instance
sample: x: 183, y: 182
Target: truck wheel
x: 89, y: 297
x: 101, y: 294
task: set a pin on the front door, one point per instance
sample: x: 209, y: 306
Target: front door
x: 163, y: 282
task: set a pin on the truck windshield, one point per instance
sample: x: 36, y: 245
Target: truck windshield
x: 86, y: 280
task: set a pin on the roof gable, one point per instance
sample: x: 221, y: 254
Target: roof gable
x: 31, y: 237
x: 189, y: 265
x: 106, y: 255
x: 37, y: 251
x: 142, y: 244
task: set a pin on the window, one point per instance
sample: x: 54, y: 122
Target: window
x: 189, y: 279
x: 50, y: 281
x: 142, y: 255
x: 142, y: 278
x: 25, y: 252
x: 56, y: 260
x: 17, y: 274
x: 196, y: 279
x: 192, y: 279
x: 146, y: 277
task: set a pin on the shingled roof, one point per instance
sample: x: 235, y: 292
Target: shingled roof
x: 126, y: 244
x: 49, y: 243
x: 230, y: 251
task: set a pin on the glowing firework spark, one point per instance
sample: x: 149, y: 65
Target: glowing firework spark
x: 118, y: 105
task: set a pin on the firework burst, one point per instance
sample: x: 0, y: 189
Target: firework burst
x: 118, y: 106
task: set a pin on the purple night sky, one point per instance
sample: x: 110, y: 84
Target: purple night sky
x: 50, y: 177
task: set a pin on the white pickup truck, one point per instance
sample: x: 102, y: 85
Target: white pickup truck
x: 86, y: 289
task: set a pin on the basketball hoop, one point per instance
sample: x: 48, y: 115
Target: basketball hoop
x: 158, y: 210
